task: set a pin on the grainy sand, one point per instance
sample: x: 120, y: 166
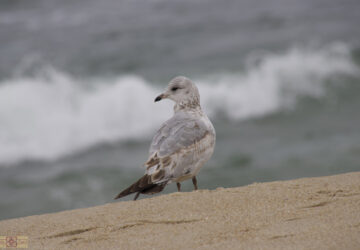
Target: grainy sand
x: 311, y: 213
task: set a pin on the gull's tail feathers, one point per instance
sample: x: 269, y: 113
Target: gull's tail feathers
x: 143, y: 186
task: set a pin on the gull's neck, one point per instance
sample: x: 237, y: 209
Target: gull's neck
x: 188, y: 106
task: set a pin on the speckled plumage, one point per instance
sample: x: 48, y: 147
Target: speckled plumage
x: 182, y: 144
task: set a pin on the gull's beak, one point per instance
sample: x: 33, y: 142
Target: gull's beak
x: 160, y: 97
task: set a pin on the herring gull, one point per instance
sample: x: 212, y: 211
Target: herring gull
x: 182, y: 144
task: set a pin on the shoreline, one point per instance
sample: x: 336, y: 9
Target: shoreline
x: 308, y: 213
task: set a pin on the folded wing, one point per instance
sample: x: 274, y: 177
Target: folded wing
x: 174, y: 141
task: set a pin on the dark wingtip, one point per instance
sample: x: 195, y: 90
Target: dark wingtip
x: 124, y: 193
x: 142, y: 186
x: 119, y: 196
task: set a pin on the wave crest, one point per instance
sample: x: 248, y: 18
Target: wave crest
x: 50, y: 115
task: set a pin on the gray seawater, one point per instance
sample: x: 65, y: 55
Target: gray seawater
x: 279, y: 79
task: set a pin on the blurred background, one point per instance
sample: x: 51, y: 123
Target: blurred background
x: 279, y: 79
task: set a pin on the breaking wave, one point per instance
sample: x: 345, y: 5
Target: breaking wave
x: 51, y: 114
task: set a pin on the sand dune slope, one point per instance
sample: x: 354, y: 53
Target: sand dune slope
x: 311, y: 213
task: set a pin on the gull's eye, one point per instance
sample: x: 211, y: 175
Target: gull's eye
x: 174, y: 88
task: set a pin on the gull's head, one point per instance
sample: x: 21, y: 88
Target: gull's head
x: 182, y: 91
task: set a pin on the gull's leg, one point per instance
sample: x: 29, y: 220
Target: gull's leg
x: 136, y: 196
x: 178, y: 186
x: 195, y: 182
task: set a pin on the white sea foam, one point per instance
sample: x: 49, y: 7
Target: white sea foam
x: 53, y: 114
x: 275, y: 81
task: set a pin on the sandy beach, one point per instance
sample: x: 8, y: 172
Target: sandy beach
x: 310, y: 213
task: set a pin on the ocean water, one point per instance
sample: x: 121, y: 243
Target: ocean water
x: 279, y: 79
